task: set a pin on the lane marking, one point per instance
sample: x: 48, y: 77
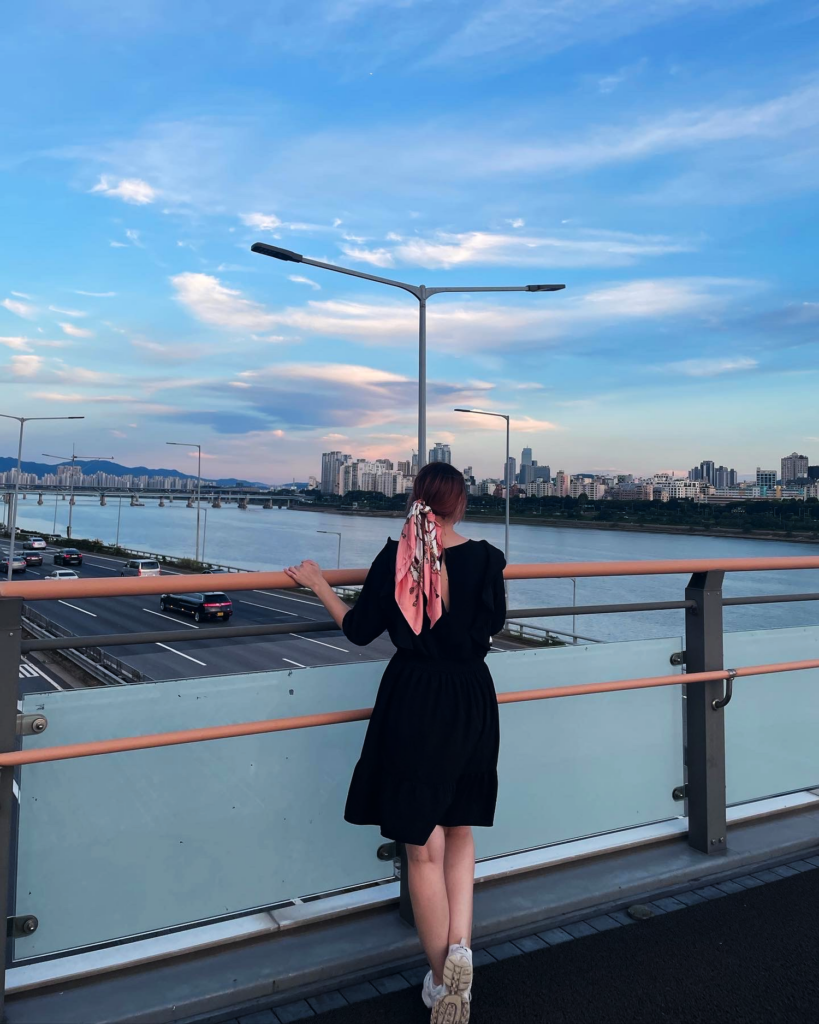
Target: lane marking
x: 290, y: 661
x: 98, y: 566
x: 299, y: 636
x: 285, y: 597
x: 45, y: 676
x: 181, y: 655
x: 77, y: 608
x: 277, y: 611
x: 162, y: 615
x: 28, y: 670
x: 35, y: 573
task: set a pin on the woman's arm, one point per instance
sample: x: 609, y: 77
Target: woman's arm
x: 308, y: 574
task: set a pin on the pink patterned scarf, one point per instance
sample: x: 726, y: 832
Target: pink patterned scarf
x: 418, y: 567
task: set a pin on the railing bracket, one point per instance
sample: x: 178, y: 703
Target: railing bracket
x: 386, y: 851
x: 678, y: 658
x: 680, y: 792
x: 22, y: 926
x: 729, y: 691
x: 31, y: 725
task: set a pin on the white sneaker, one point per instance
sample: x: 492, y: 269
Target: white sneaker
x: 431, y: 992
x: 458, y: 971
x: 454, y: 1006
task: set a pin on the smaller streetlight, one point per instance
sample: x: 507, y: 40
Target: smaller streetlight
x: 338, y: 560
x: 508, y: 475
x: 22, y: 420
x: 72, y: 458
x: 198, y: 447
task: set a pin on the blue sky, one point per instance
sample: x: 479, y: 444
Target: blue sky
x: 657, y: 156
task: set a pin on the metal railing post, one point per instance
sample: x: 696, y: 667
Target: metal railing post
x: 705, y: 724
x: 404, y: 900
x: 10, y: 625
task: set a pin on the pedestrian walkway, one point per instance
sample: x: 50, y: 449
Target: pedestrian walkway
x: 745, y: 950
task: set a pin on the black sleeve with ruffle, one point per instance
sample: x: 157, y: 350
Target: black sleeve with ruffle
x: 368, y: 617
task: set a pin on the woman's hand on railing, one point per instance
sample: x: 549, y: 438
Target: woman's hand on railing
x: 307, y: 574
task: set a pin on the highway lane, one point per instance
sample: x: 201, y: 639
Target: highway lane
x: 88, y: 617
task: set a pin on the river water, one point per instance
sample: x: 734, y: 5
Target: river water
x: 270, y: 539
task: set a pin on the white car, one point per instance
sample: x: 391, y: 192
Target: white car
x: 62, y: 574
x: 36, y: 543
x: 141, y: 567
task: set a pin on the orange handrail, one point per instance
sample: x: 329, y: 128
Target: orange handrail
x: 48, y: 590
x: 220, y: 732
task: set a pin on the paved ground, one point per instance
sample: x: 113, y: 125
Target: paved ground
x: 744, y: 951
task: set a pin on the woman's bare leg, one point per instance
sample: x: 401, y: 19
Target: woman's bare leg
x: 459, y: 877
x: 428, y: 891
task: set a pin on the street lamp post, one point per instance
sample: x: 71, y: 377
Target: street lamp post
x: 421, y: 293
x: 507, y: 474
x: 73, y: 458
x: 198, y: 447
x: 22, y: 420
x: 336, y: 532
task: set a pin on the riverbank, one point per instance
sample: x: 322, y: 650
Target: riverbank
x: 580, y: 524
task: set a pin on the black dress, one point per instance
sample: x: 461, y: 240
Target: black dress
x: 430, y: 755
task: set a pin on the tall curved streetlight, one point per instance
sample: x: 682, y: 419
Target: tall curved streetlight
x: 507, y: 474
x: 73, y: 458
x: 22, y: 420
x: 421, y: 293
x: 198, y: 447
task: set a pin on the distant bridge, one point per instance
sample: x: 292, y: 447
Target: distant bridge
x: 216, y: 497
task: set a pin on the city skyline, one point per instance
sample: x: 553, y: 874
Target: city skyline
x: 671, y: 187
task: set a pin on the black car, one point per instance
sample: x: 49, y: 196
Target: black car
x: 200, y: 606
x: 32, y: 557
x: 68, y: 556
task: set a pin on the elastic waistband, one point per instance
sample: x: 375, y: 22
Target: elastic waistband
x: 404, y: 657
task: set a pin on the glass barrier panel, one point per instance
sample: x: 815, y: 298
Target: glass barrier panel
x: 772, y: 722
x: 125, y: 844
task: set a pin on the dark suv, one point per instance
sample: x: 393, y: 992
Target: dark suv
x: 32, y: 557
x: 68, y: 556
x: 200, y: 606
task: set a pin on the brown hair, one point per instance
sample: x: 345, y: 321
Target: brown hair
x: 443, y: 488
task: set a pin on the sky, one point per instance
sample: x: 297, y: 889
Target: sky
x: 658, y: 157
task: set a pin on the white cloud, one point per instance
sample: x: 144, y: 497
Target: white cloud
x: 335, y: 437
x: 76, y: 332
x: 96, y: 295
x: 516, y: 222
x: 118, y: 433
x: 118, y: 245
x: 67, y: 312
x: 130, y: 190
x: 19, y: 309
x: 378, y: 257
x: 298, y: 279
x: 133, y: 236
x: 210, y: 301
x: 20, y: 344
x: 589, y: 248
x: 343, y: 374
x: 26, y: 366
x: 261, y: 221
x: 710, y: 367
x: 22, y: 295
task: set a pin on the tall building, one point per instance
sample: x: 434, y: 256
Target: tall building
x: 440, y: 453
x: 793, y: 467
x: 813, y: 472
x: 766, y: 478
x: 561, y: 484
x: 526, y: 457
x: 331, y: 463
x: 707, y: 471
x: 543, y: 473
x: 405, y: 468
x: 414, y: 465
x: 510, y: 471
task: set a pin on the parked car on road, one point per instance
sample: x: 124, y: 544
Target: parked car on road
x: 62, y: 574
x: 32, y: 557
x: 37, y: 543
x: 200, y: 606
x: 68, y: 556
x: 141, y: 567
x: 18, y: 564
